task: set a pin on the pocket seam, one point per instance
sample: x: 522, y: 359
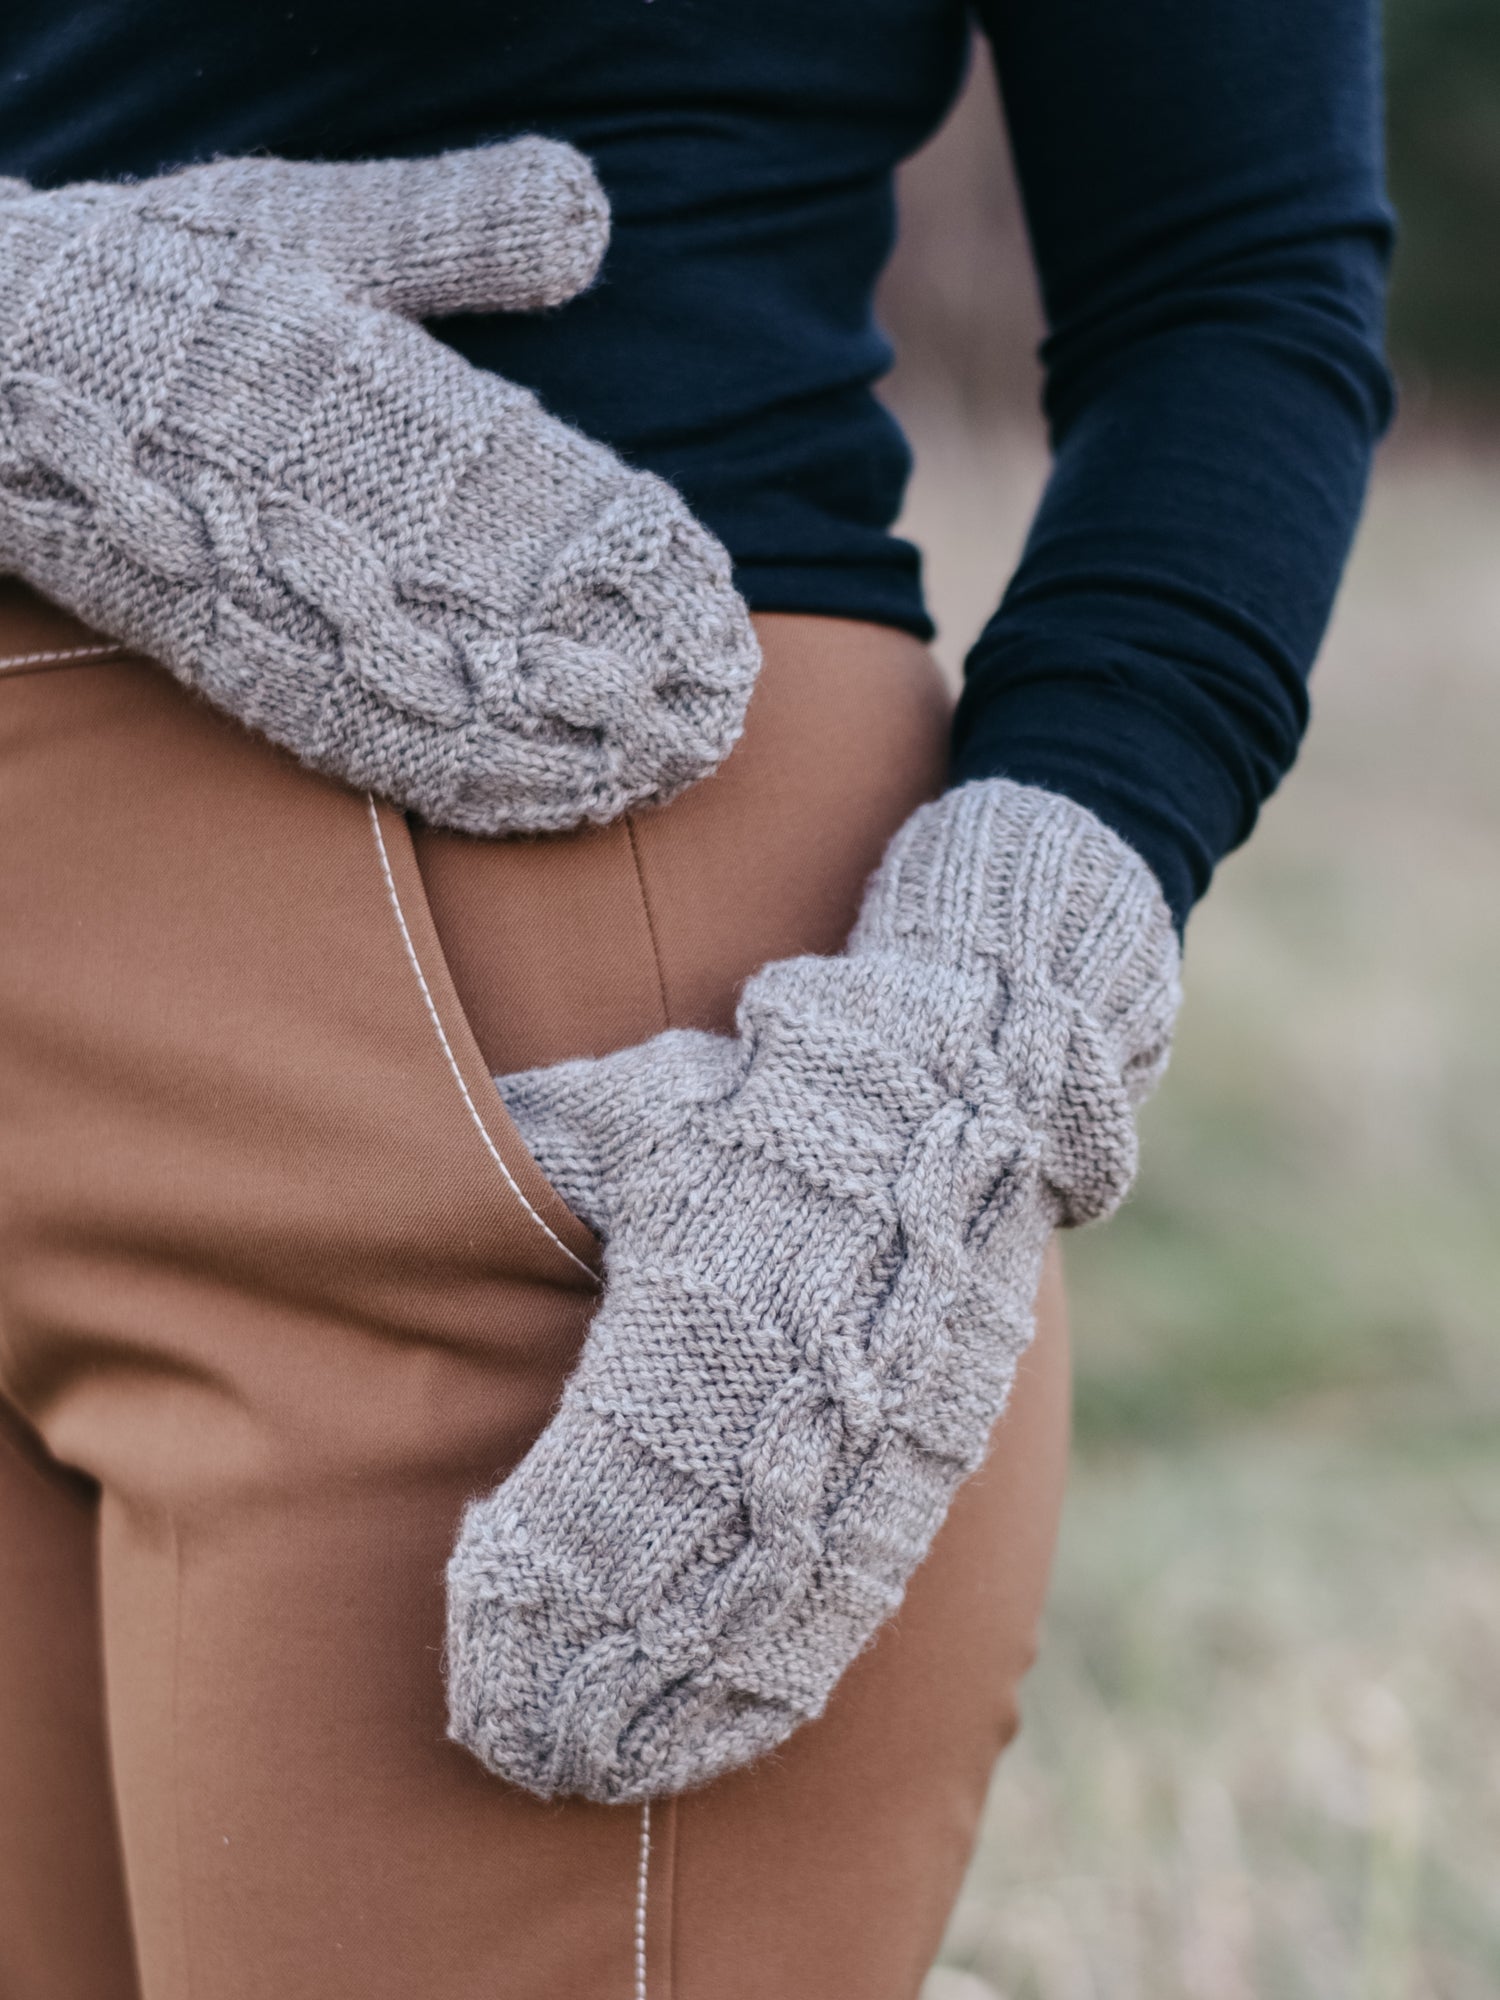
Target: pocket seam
x: 25, y: 663
x: 446, y: 1046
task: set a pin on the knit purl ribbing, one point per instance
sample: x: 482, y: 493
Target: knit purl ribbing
x: 219, y: 445
x: 823, y: 1241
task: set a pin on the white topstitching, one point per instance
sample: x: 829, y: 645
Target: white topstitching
x: 436, y: 1019
x: 642, y: 1882
x: 53, y: 659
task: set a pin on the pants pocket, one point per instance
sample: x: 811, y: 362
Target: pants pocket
x: 550, y: 1222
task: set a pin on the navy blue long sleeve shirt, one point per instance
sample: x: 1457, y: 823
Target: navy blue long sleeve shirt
x: 1203, y: 186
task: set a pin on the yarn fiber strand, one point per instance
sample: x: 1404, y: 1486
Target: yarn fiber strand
x: 220, y: 445
x: 823, y: 1238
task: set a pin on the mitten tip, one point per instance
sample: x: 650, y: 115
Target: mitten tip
x: 571, y: 215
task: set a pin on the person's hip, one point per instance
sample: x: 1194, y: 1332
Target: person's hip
x: 278, y: 1273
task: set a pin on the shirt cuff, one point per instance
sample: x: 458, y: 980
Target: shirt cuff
x: 1153, y: 782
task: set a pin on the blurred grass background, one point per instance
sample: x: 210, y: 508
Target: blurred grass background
x: 1261, y: 1758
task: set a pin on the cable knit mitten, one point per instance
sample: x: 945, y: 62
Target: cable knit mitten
x: 823, y: 1242
x: 221, y: 444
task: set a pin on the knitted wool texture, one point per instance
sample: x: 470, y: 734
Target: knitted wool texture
x: 823, y: 1242
x: 219, y: 444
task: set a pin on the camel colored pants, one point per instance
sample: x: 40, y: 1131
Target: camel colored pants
x: 280, y: 1287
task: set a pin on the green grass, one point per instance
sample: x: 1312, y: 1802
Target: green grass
x: 1262, y: 1751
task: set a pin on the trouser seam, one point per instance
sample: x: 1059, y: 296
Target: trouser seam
x: 177, y: 1842
x: 667, y: 1956
x: 656, y: 958
x: 642, y: 1896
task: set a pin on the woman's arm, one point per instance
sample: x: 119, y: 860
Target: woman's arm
x: 1203, y: 186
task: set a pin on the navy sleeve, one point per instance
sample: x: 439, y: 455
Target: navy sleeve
x: 1203, y: 185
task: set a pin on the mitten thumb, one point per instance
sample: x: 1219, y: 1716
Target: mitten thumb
x: 554, y: 1112
x: 593, y: 1125
x: 507, y: 228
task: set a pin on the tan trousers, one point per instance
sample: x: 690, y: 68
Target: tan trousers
x: 280, y: 1287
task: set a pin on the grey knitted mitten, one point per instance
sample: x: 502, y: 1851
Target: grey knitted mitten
x: 219, y: 445
x: 823, y: 1242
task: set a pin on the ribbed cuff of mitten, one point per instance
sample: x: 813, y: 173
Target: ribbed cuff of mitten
x: 1023, y: 884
